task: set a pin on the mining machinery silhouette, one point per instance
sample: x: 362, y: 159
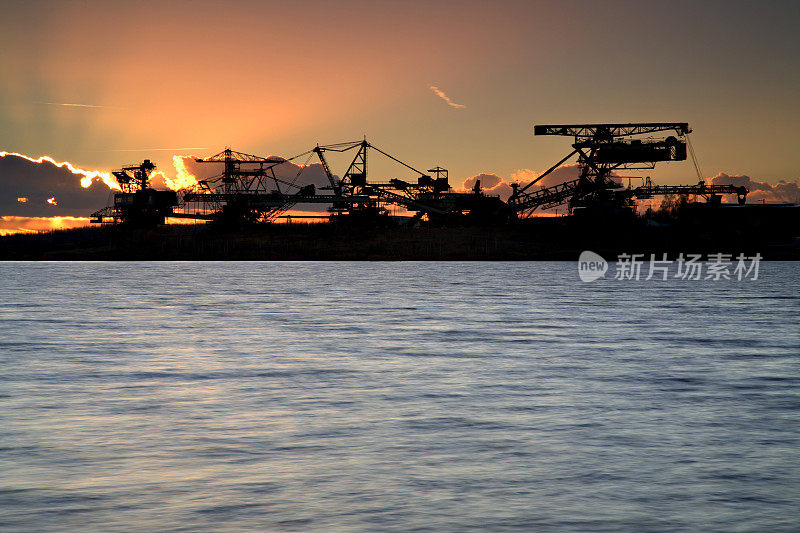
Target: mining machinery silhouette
x: 427, y: 195
x: 254, y: 189
x: 604, y: 150
x: 137, y: 203
x: 249, y: 190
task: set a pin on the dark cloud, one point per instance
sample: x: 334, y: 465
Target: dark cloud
x: 20, y: 178
x: 560, y: 175
x: 783, y: 191
x: 494, y: 184
x: 312, y: 174
x: 491, y: 184
x: 306, y: 175
x: 487, y: 181
x: 286, y: 171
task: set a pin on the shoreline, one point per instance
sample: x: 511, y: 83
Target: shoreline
x: 545, y: 239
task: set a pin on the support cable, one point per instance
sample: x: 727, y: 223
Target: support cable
x: 694, y: 157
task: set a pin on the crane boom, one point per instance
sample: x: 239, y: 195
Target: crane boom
x: 602, y: 150
x: 319, y: 151
x: 590, y: 131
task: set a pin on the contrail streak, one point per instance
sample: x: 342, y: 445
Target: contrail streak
x: 82, y: 105
x: 446, y: 98
x: 153, y: 149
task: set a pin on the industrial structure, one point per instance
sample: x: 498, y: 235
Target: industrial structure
x: 603, y: 151
x: 249, y: 190
x: 137, y: 203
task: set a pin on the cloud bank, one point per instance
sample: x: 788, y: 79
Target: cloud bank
x: 495, y: 185
x: 26, y: 186
x: 761, y: 191
x: 785, y: 190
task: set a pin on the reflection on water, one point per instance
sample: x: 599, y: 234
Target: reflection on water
x: 395, y: 396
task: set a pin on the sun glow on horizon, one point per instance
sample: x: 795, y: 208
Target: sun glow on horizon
x: 183, y: 178
x: 12, y: 225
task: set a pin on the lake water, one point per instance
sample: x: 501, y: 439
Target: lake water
x: 395, y: 396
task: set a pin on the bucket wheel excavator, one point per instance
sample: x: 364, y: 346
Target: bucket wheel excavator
x: 603, y: 150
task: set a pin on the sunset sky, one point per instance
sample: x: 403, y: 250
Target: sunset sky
x: 154, y: 79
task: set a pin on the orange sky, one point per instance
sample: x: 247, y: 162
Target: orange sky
x: 278, y: 77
